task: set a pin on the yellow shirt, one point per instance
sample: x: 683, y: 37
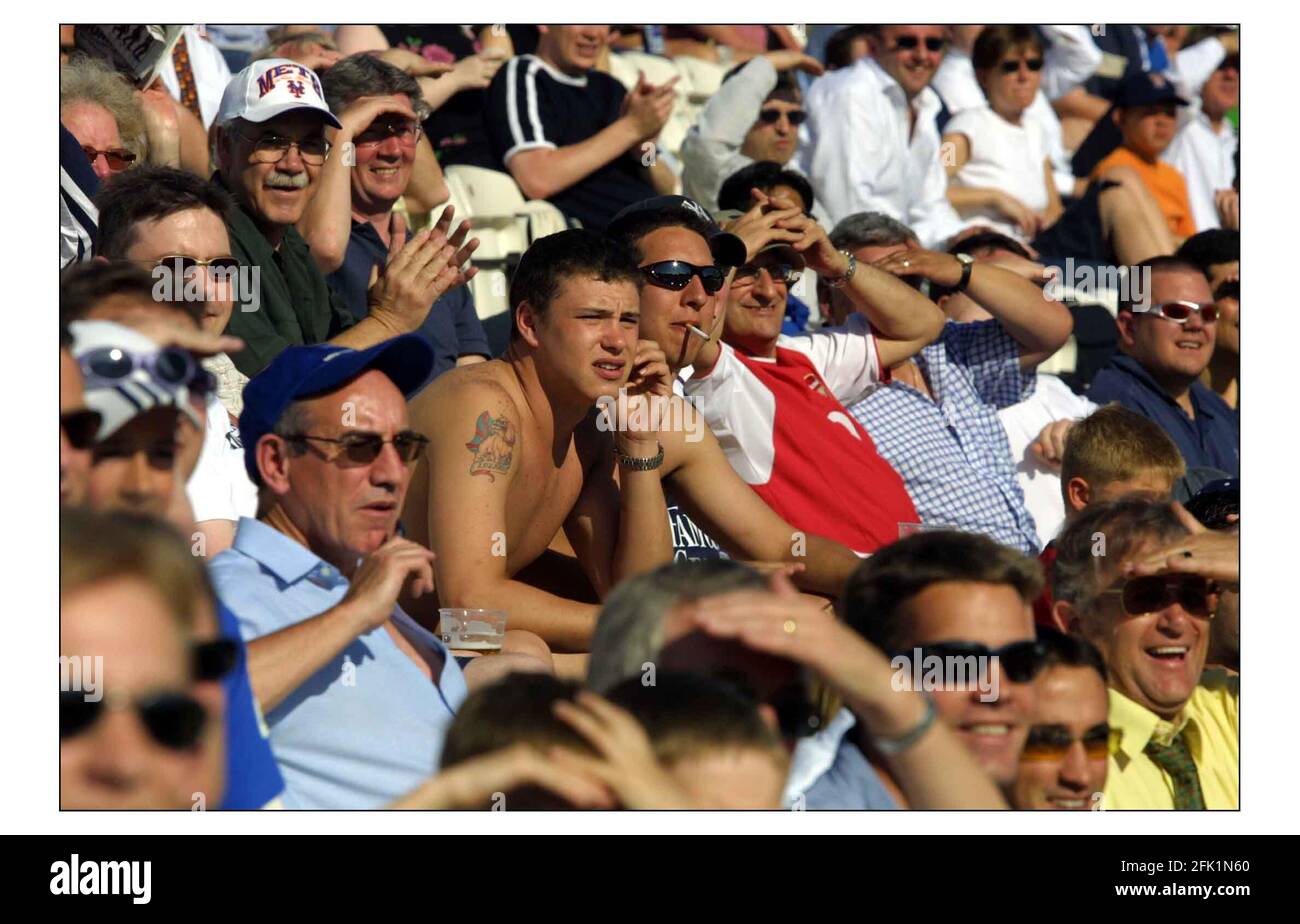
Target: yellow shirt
x: 1133, y: 781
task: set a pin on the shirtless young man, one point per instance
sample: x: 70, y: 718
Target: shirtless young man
x: 517, y: 454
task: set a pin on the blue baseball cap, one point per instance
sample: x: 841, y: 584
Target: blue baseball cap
x: 304, y: 371
x: 1141, y: 88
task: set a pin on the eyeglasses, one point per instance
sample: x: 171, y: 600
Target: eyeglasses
x: 118, y: 158
x: 80, y: 427
x: 170, y: 366
x: 173, y: 720
x: 271, y: 149
x: 407, y: 133
x: 676, y: 275
x: 214, y: 659
x: 1151, y: 594
x: 1180, y: 312
x: 1021, y: 660
x: 772, y: 116
x: 783, y: 273
x: 187, y: 264
x: 364, y: 448
x: 1011, y: 67
x: 1053, y: 742
x: 908, y: 42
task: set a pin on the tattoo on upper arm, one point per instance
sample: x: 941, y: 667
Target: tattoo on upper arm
x: 493, y: 446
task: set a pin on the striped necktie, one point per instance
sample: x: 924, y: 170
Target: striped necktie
x: 1175, y: 759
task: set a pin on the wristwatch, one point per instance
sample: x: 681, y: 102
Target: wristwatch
x: 836, y: 282
x: 897, y: 745
x: 633, y: 464
x: 967, y: 262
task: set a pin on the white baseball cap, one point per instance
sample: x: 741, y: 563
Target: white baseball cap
x: 266, y: 89
x: 121, y: 400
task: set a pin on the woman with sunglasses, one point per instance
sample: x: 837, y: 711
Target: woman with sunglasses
x: 1000, y: 170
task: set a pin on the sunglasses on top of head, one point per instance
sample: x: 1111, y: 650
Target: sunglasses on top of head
x: 909, y: 42
x: 772, y: 116
x: 170, y: 366
x: 1180, y: 312
x: 677, y: 274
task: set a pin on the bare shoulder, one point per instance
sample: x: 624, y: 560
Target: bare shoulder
x: 462, y: 391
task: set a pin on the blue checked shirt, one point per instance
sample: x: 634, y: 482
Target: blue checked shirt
x: 952, y: 451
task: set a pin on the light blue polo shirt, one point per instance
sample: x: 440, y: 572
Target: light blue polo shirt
x: 367, y: 727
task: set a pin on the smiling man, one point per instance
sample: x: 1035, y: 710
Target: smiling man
x: 874, y: 141
x: 518, y: 452
x: 1177, y: 723
x: 383, y: 109
x: 271, y: 148
x: 1166, y: 342
x: 1063, y: 765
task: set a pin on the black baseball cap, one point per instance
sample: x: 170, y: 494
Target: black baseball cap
x: 727, y: 248
x: 1142, y: 88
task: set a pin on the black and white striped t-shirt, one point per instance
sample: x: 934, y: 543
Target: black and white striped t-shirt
x: 531, y: 105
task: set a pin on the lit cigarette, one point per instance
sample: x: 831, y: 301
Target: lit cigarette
x: 697, y: 332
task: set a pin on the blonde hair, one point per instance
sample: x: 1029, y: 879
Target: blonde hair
x: 84, y: 79
x: 1114, y: 444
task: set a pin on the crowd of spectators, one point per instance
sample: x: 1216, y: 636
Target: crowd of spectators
x: 868, y: 438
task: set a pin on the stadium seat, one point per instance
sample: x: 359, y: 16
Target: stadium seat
x: 505, y: 224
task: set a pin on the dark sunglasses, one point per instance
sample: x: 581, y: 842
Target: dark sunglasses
x: 1021, y: 660
x: 187, y: 264
x: 1229, y: 289
x: 676, y: 275
x: 214, y: 659
x: 783, y: 273
x: 908, y: 42
x: 173, y: 720
x: 1010, y: 67
x: 772, y: 116
x: 170, y: 366
x: 80, y: 427
x: 1154, y: 593
x: 118, y: 158
x: 1053, y: 742
x: 364, y: 448
x: 407, y: 133
x: 1180, y: 312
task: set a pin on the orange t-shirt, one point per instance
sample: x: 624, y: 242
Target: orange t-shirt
x: 1166, y: 184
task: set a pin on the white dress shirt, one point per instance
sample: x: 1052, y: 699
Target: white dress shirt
x: 1204, y: 156
x: 862, y: 155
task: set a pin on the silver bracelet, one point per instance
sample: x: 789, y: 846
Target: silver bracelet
x: 634, y: 464
x: 839, y: 281
x: 900, y: 743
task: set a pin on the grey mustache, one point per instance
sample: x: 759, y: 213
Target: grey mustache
x: 279, y: 180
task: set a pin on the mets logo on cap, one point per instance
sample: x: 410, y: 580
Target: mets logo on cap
x: 295, y: 77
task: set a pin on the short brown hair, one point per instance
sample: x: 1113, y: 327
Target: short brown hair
x: 995, y: 41
x: 688, y: 715
x: 1114, y: 444
x: 873, y: 600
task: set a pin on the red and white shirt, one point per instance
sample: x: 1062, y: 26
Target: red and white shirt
x: 783, y: 425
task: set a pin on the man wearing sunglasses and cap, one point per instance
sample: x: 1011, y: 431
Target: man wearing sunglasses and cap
x: 684, y: 258
x: 271, y: 147
x: 1148, y: 605
x: 1167, y: 332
